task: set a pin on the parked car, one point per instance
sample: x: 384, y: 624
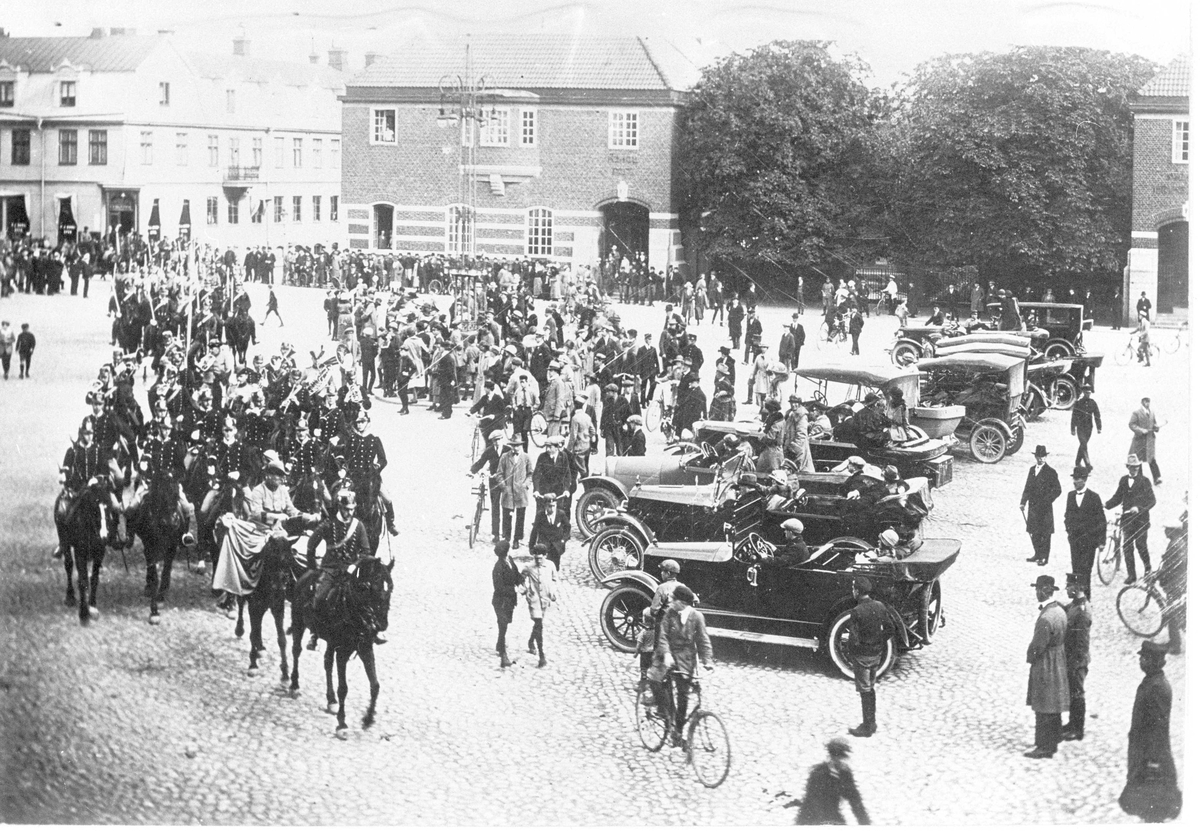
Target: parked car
x: 1064, y: 324
x: 745, y: 596
x: 990, y: 387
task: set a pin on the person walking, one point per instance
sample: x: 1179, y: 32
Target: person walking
x: 272, y: 306
x: 1041, y: 489
x: 1086, y: 527
x: 1151, y: 787
x: 25, y: 345
x: 829, y: 783
x: 515, y: 472
x: 856, y: 327
x: 1077, y: 646
x: 1084, y: 415
x: 7, y: 339
x: 541, y: 578
x: 1048, y: 692
x: 736, y: 314
x: 753, y: 334
x: 1144, y: 425
x: 505, y: 579
x: 870, y: 629
x: 1136, y: 497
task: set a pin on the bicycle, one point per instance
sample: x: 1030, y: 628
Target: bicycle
x: 479, y: 491
x: 838, y: 337
x: 1108, y: 563
x: 706, y: 747
x: 1142, y: 606
x: 1171, y: 345
x: 1132, y: 349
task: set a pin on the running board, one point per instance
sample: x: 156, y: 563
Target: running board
x: 758, y: 637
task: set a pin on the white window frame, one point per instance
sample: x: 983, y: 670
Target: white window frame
x: 297, y: 152
x: 279, y: 213
x: 333, y: 208
x: 460, y: 235
x: 181, y: 149
x: 495, y: 131
x: 316, y: 208
x: 147, y: 144
x: 335, y: 153
x: 528, y: 139
x: 212, y: 210
x: 378, y: 137
x: 539, y: 232
x: 256, y: 151
x: 214, y: 150
x: 71, y: 86
x: 297, y: 209
x: 9, y: 99
x: 314, y: 153
x: 233, y: 207
x: 280, y: 151
x: 623, y: 129
x: 1180, y: 139
x: 231, y: 101
x: 235, y: 151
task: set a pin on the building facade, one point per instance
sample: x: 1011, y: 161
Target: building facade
x: 515, y: 147
x: 130, y: 132
x: 1158, y: 254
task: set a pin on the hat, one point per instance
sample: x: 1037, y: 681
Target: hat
x: 1044, y: 581
x: 838, y: 747
x: 747, y: 478
x: 793, y: 526
x: 863, y: 584
x: 635, y: 420
x: 771, y: 404
x: 889, y: 538
x: 1080, y: 472
x: 581, y: 399
x: 496, y: 435
x: 610, y: 387
x: 1133, y: 461
x: 1041, y: 450
x: 891, y: 474
x: 555, y: 441
x: 1153, y: 648
x: 871, y: 398
x: 683, y: 593
x: 272, y: 462
x: 723, y: 349
x: 516, y: 439
x: 857, y: 460
x: 779, y: 477
x: 1074, y: 580
x: 510, y: 348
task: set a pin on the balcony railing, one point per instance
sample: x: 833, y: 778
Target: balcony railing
x: 238, y: 175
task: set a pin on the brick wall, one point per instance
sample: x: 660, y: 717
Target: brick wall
x: 1159, y: 185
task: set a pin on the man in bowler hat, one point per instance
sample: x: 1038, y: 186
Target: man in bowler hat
x: 1041, y: 489
x: 1135, y: 496
x: 1086, y: 526
x: 1048, y: 692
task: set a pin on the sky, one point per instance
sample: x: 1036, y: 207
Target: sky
x: 892, y: 36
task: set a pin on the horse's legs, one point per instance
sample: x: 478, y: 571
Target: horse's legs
x: 330, y: 697
x: 69, y: 565
x: 367, y: 654
x: 164, y: 579
x: 240, y: 628
x: 81, y: 569
x: 343, y: 657
x: 297, y: 647
x: 280, y: 636
x: 256, y: 612
x: 151, y: 571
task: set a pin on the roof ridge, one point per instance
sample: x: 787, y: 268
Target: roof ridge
x: 657, y: 69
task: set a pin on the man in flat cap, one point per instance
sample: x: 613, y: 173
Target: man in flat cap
x: 1048, y: 692
x: 870, y: 629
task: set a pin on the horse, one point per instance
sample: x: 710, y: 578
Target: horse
x: 239, y: 331
x: 311, y: 495
x: 78, y: 517
x: 276, y: 584
x: 346, y: 622
x: 160, y: 524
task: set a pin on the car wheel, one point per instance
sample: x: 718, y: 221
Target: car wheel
x: 1063, y: 393
x: 1017, y: 439
x: 621, y: 616
x: 987, y: 443
x: 837, y: 639
x: 932, y: 604
x: 905, y: 354
x: 1057, y: 350
x: 590, y: 506
x: 613, y: 550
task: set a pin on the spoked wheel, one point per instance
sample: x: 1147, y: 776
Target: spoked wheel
x: 434, y: 287
x: 1124, y: 356
x: 653, y: 416
x: 933, y: 610
x: 1057, y: 350
x: 651, y: 725
x: 1063, y: 393
x: 988, y: 442
x: 589, y: 507
x: 905, y: 354
x: 708, y: 748
x: 621, y: 616
x: 837, y: 644
x: 613, y: 550
x: 1108, y: 562
x: 473, y: 528
x: 1141, y: 609
x: 1016, y: 439
x: 537, y: 429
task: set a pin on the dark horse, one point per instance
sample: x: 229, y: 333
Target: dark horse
x: 160, y: 525
x: 346, y: 622
x: 276, y: 584
x: 78, y: 518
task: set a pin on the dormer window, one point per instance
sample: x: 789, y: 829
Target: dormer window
x: 8, y: 93
x: 66, y: 93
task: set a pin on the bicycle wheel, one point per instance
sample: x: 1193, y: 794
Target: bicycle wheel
x: 1171, y: 346
x: 1141, y: 609
x: 708, y: 748
x: 651, y: 726
x: 473, y: 532
x: 1108, y: 563
x: 434, y: 287
x: 537, y: 429
x: 653, y: 416
x: 1124, y: 356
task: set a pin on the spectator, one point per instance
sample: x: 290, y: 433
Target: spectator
x: 1151, y: 789
x: 1144, y: 425
x: 1048, y: 693
x: 25, y: 345
x: 856, y: 327
x: 829, y: 783
x: 7, y: 338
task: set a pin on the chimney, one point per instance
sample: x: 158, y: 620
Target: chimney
x: 337, y: 59
x: 241, y: 46
x: 314, y: 58
x: 371, y: 57
x: 97, y: 33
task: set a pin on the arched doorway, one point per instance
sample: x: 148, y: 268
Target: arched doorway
x: 383, y: 220
x: 1173, y: 266
x: 626, y: 226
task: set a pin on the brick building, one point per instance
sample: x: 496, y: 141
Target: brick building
x: 575, y: 150
x: 1158, y: 255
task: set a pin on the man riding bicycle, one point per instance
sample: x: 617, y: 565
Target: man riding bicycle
x: 682, y: 638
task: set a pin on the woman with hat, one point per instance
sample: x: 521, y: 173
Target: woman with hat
x: 795, y: 435
x: 770, y: 457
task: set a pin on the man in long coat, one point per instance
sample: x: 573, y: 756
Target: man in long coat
x: 1086, y: 527
x: 1041, y: 489
x: 1145, y: 430
x: 1151, y: 775
x: 1048, y: 692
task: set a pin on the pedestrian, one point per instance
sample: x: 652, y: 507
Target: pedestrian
x: 1084, y: 415
x: 7, y: 338
x: 1048, y: 693
x: 830, y: 782
x: 25, y: 345
x: 1041, y: 489
x: 736, y: 313
x: 1151, y: 788
x: 1086, y: 527
x: 753, y: 334
x: 870, y: 630
x: 272, y: 306
x: 505, y: 579
x: 1144, y: 425
x: 541, y: 578
x: 515, y: 472
x: 1143, y: 307
x: 1077, y: 647
x: 1136, y: 497
x: 856, y: 327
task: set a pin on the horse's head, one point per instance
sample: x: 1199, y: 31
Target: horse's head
x: 373, y: 577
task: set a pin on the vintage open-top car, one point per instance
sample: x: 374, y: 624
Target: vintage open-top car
x: 990, y: 387
x: 745, y: 594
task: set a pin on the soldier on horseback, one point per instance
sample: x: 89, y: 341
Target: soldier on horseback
x: 164, y: 453
x: 87, y: 465
x: 365, y: 459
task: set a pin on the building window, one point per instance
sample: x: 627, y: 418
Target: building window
x: 164, y: 93
x: 20, y: 147
x: 147, y: 147
x: 622, y: 130
x: 333, y: 206
x: 256, y: 152
x: 460, y: 229
x: 97, y: 146
x: 280, y: 151
x: 181, y: 149
x: 539, y: 232
x: 279, y: 217
x: 495, y: 131
x: 383, y: 126
x: 230, y: 101
x: 235, y: 151
x: 1179, y: 142
x: 316, y: 152
x: 232, y: 211
x: 528, y: 128
x: 335, y: 153
x: 7, y: 93
x: 66, y: 93
x: 256, y: 215
x: 297, y: 203
x: 211, y: 210
x: 297, y: 152
x: 214, y: 151
x: 316, y: 209
x: 68, y: 146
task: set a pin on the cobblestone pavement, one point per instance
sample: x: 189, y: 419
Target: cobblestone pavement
x: 122, y: 722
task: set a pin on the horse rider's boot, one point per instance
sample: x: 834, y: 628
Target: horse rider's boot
x: 391, y: 520
x: 191, y: 534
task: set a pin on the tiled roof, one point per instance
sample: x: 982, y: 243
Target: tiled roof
x: 533, y: 61
x: 112, y: 53
x: 1172, y: 82
x: 259, y: 71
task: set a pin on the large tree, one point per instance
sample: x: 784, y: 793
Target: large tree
x: 772, y: 143
x: 1018, y: 163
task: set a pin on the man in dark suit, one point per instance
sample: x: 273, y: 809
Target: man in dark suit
x: 1136, y: 497
x: 647, y: 369
x: 1086, y: 527
x: 1041, y: 489
x: 1151, y: 785
x: 1084, y: 414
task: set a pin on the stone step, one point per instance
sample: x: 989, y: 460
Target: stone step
x: 1171, y: 320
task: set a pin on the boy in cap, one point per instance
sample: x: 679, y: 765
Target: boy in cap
x: 1048, y: 692
x: 829, y: 783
